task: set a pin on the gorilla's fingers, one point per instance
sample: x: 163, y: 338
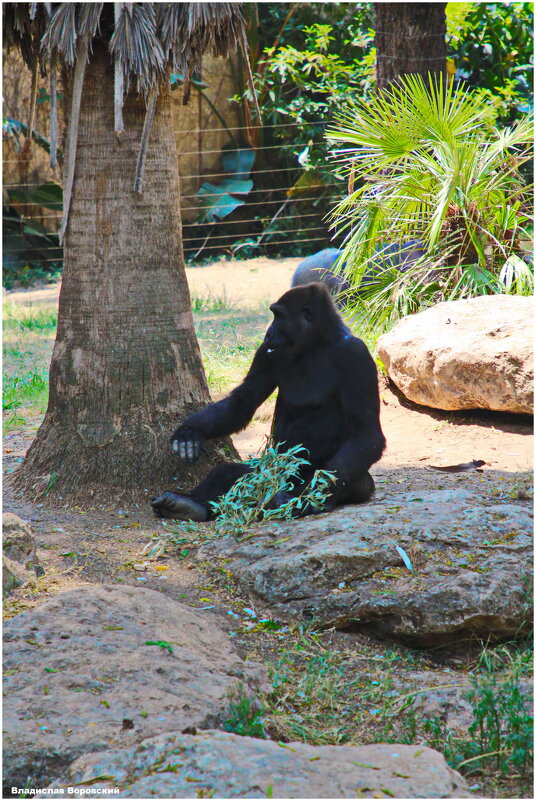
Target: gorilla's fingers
x: 175, y: 446
x: 190, y: 451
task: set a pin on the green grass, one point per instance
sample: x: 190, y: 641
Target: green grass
x: 210, y: 303
x: 29, y: 332
x: 29, y: 389
x: 29, y: 318
x: 228, y: 338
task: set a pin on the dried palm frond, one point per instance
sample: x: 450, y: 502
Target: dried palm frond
x: 53, y: 120
x: 134, y: 44
x: 76, y: 102
x: 60, y: 35
x: 89, y: 15
x: 188, y: 30
x: 145, y: 135
x: 119, y: 83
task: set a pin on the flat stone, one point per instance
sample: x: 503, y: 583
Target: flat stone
x: 102, y: 667
x: 471, y: 567
x: 223, y: 765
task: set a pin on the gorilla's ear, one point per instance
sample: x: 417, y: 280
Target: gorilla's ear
x: 308, y: 313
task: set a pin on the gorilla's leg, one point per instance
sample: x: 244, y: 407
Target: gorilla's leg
x: 196, y: 506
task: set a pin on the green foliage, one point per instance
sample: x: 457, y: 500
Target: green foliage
x: 217, y: 201
x: 307, y: 82
x: 165, y: 646
x: 491, y: 45
x: 427, y: 164
x: 501, y: 732
x: 30, y: 319
x: 246, y: 717
x: 249, y: 499
x: 31, y: 252
x: 502, y: 727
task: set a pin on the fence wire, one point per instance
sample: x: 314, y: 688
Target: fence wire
x: 268, y: 218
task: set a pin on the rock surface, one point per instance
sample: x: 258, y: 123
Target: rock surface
x: 471, y: 567
x: 227, y: 766
x: 18, y: 541
x: 14, y: 575
x: 19, y: 559
x: 84, y: 672
x: 465, y: 354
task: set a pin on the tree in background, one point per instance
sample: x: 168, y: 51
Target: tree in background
x: 126, y: 364
x: 410, y: 39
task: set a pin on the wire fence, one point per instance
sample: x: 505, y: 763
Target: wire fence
x: 278, y: 213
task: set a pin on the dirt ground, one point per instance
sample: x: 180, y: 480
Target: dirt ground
x: 78, y: 545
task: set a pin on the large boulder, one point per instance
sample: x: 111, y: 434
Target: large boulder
x: 465, y: 354
x: 224, y: 765
x: 470, y: 567
x: 101, y: 667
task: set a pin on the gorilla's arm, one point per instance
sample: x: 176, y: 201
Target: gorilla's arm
x: 359, y: 395
x: 229, y: 415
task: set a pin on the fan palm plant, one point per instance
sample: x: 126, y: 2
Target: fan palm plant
x: 425, y: 163
x: 126, y: 363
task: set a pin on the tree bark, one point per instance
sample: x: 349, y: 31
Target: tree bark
x: 126, y: 366
x: 410, y: 38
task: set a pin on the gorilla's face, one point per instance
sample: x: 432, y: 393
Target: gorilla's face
x: 289, y: 333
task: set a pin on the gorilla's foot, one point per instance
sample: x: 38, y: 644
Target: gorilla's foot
x: 173, y: 506
x: 364, y: 488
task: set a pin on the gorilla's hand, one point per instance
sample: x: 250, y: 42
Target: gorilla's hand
x: 187, y: 443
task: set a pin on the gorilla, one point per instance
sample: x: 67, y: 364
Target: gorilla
x: 318, y: 267
x: 328, y: 401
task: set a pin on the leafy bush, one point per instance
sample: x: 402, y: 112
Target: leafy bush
x: 425, y: 163
x: 249, y: 499
x: 491, y: 47
x: 31, y: 252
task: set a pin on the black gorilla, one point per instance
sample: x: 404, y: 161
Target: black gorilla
x: 328, y: 402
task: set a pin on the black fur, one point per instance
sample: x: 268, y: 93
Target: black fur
x: 328, y: 402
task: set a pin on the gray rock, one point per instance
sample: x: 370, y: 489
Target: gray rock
x: 465, y: 354
x: 18, y: 541
x: 319, y: 267
x: 227, y: 766
x: 80, y: 676
x: 14, y: 575
x: 19, y: 559
x: 471, y: 567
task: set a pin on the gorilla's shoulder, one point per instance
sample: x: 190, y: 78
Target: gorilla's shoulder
x: 351, y: 351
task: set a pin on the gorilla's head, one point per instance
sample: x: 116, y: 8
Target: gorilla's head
x: 303, y: 316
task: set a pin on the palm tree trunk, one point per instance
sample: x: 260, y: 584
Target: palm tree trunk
x: 126, y: 366
x: 410, y: 38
